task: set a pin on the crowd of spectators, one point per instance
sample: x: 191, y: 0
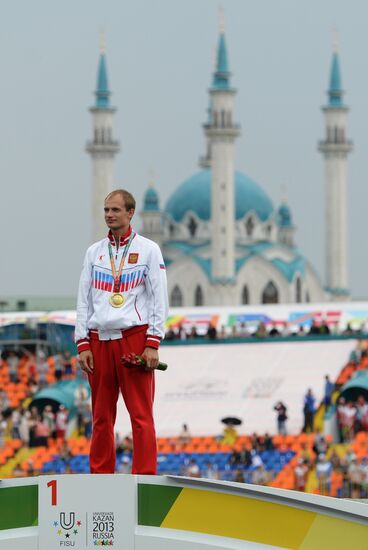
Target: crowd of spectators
x: 264, y: 330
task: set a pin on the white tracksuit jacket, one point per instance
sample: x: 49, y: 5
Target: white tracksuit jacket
x: 142, y: 282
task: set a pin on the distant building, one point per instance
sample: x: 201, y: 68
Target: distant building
x: 223, y: 241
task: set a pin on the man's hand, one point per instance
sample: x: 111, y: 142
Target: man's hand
x: 86, y: 361
x: 150, y: 355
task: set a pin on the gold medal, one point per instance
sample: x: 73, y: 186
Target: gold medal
x: 117, y: 299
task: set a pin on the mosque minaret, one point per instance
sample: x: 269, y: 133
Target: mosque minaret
x: 335, y: 149
x: 221, y: 133
x: 102, y: 148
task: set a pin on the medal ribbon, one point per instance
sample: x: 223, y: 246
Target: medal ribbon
x: 117, y: 275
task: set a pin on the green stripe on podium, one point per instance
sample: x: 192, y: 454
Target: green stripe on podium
x: 19, y: 507
x: 154, y: 503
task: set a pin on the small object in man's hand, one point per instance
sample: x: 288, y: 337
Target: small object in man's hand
x: 130, y: 360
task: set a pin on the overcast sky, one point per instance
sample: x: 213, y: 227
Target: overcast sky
x: 159, y: 58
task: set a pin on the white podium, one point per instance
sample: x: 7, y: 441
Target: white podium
x: 127, y: 512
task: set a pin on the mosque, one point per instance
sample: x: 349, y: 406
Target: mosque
x: 223, y: 241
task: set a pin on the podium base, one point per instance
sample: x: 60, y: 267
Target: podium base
x: 129, y: 512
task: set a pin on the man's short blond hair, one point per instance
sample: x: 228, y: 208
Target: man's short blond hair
x: 128, y: 198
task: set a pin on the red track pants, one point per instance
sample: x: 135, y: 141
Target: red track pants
x: 137, y: 387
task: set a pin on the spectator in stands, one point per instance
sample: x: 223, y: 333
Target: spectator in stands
x: 49, y: 419
x: 245, y: 456
x: 314, y: 328
x: 260, y: 476
x: 3, y: 426
x: 87, y: 421
x: 4, y: 401
x: 348, y: 330
x: 323, y: 472
x: 184, y: 436
x: 15, y: 421
x: 239, y: 476
x: 329, y: 387
x: 81, y: 402
x: 192, y: 469
x: 32, y: 422
x: 42, y: 371
x: 229, y: 435
x: 362, y: 414
x: 13, y: 363
x: 309, y: 410
x: 210, y: 471
x: 211, y: 332
x: 42, y: 433
x: 58, y: 362
x: 281, y: 410
x: 300, y: 475
x: 256, y: 443
x: 347, y: 418
x: 324, y: 328
x: 61, y: 422
x: 65, y: 454
x: 320, y: 444
x: 193, y: 332
x: 306, y: 453
x: 273, y: 331
x: 170, y: 334
x: 268, y: 443
x: 355, y: 476
x: 261, y: 331
x: 182, y: 334
x: 234, y: 459
x: 24, y: 427
x: 335, y: 460
x: 67, y: 364
x: 32, y: 387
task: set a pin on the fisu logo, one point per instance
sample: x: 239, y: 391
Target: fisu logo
x: 67, y: 524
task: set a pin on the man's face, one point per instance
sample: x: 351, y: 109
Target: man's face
x: 117, y: 217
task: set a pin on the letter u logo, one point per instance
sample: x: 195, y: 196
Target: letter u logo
x: 67, y: 524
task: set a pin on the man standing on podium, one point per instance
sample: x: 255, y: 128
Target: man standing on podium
x: 122, y: 307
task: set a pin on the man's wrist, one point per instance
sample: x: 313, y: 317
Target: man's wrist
x: 83, y: 345
x: 152, y: 341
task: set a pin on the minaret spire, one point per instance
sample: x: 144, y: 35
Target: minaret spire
x: 335, y: 149
x: 221, y: 133
x: 102, y: 147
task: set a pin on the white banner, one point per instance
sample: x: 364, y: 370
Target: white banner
x: 86, y: 511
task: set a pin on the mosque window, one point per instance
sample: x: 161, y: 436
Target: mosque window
x: 307, y: 297
x: 215, y: 119
x: 336, y: 135
x: 198, y: 296
x: 298, y: 290
x: 176, y: 297
x: 245, y: 295
x: 229, y: 119
x: 96, y: 135
x: 270, y: 294
x: 192, y: 226
x: 172, y: 230
x: 249, y: 226
x: 102, y: 135
x: 222, y: 118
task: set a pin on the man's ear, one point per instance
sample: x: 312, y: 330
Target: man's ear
x: 131, y: 213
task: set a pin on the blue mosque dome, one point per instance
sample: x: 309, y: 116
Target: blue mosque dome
x: 194, y: 194
x: 284, y: 217
x: 151, y: 201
